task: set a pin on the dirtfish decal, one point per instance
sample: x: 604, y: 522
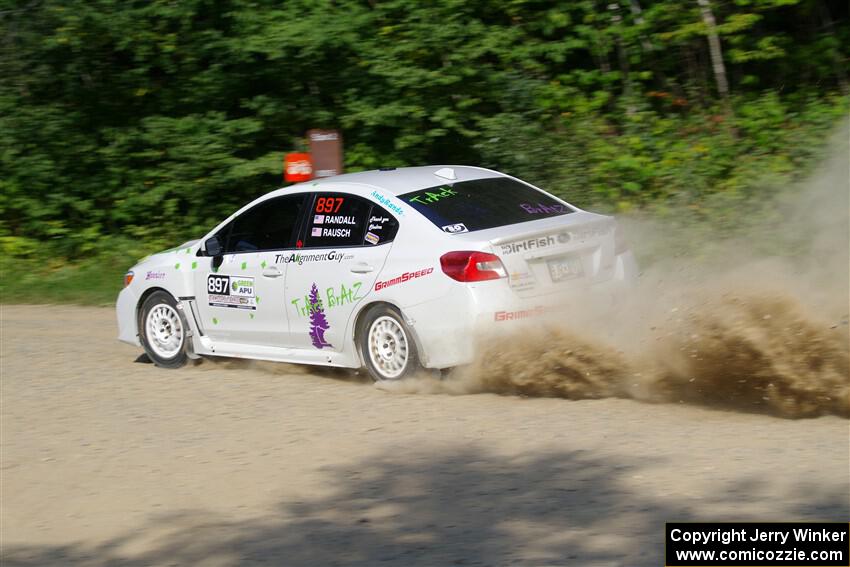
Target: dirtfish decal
x: 535, y: 243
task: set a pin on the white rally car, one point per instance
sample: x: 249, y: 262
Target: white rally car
x: 391, y: 270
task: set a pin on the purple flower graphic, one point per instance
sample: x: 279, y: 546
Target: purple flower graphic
x: 318, y: 323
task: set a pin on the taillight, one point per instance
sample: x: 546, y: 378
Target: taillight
x: 469, y: 266
x: 128, y: 278
x: 620, y: 244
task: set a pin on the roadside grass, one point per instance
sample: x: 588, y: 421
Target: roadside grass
x: 95, y: 281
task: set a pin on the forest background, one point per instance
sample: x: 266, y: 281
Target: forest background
x: 131, y: 126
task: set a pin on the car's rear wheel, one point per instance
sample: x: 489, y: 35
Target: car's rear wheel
x: 387, y: 345
x: 162, y: 330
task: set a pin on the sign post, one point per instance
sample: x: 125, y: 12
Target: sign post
x: 326, y: 149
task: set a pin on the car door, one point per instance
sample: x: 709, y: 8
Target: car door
x: 240, y: 296
x: 346, y: 242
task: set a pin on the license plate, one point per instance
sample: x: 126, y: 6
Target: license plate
x: 565, y: 268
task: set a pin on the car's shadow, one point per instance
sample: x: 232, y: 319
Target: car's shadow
x: 413, y: 507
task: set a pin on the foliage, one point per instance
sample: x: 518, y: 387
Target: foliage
x: 146, y: 122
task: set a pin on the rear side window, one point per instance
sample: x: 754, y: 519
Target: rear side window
x: 381, y: 228
x: 479, y: 204
x: 341, y: 219
x: 270, y: 225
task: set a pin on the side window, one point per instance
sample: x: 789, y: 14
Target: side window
x: 381, y: 228
x: 337, y: 219
x: 340, y: 219
x: 270, y: 225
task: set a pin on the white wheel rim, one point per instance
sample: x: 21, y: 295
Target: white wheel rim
x: 388, y: 347
x: 164, y: 331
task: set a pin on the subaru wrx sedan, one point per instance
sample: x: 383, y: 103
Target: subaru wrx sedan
x: 392, y: 270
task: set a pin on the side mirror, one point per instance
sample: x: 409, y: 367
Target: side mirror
x: 212, y: 247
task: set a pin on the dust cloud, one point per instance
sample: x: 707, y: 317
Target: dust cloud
x: 754, y: 318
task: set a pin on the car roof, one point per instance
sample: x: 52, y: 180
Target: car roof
x: 401, y: 180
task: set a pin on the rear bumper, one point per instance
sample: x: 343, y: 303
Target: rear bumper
x: 448, y: 329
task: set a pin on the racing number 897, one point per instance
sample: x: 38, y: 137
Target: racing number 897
x: 328, y: 204
x: 217, y: 284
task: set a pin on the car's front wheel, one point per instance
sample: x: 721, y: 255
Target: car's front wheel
x: 162, y: 330
x: 387, y: 345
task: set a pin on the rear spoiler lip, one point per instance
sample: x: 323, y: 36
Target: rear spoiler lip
x: 598, y: 219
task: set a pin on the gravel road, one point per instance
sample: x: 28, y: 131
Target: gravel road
x: 107, y: 461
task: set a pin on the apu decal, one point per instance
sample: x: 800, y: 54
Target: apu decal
x: 318, y: 322
x: 231, y: 291
x: 372, y: 238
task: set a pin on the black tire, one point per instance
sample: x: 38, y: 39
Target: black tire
x: 167, y: 347
x: 387, y: 345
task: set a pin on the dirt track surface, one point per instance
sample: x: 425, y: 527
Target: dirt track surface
x: 106, y: 461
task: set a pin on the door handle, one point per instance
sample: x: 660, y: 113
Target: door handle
x: 272, y: 272
x: 362, y: 268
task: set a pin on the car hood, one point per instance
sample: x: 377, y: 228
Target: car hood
x: 158, y: 255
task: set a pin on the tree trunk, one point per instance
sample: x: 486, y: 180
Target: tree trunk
x: 623, y: 59
x: 840, y: 74
x: 715, y: 51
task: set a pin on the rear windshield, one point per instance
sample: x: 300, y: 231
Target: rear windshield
x: 466, y: 206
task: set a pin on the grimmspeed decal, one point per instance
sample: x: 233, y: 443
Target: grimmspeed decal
x: 405, y: 277
x: 521, y: 314
x: 231, y: 291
